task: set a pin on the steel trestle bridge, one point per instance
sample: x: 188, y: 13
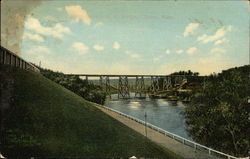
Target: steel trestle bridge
x: 124, y: 86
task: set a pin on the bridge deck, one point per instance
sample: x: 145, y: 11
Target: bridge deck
x: 178, y: 148
x: 135, y: 75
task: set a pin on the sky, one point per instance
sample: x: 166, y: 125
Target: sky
x: 137, y: 37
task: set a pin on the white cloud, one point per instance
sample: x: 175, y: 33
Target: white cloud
x: 34, y: 37
x: 80, y: 47
x: 38, y: 50
x: 57, y: 31
x: 218, y: 42
x: 167, y: 52
x: 78, y: 13
x: 132, y: 55
x: 202, y: 38
x: 35, y: 25
x: 217, y: 50
x: 179, y: 51
x: 190, y: 29
x: 98, y: 47
x: 220, y: 33
x: 191, y: 50
x: 116, y: 45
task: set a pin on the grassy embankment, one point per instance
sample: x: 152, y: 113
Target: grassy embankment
x: 45, y: 119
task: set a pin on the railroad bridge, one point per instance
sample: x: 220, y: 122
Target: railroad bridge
x: 125, y: 85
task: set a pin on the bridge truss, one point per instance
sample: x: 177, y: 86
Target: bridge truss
x: 125, y: 85
x: 167, y: 84
x: 140, y: 87
x: 154, y: 86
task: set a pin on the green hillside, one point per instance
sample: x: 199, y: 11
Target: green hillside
x: 45, y: 119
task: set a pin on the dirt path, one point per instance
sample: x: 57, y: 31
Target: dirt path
x: 183, y: 150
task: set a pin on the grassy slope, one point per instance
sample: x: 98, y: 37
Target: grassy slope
x: 49, y: 120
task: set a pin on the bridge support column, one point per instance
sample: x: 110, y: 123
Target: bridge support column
x: 102, y: 82
x: 123, y: 87
x: 154, y: 84
x: 108, y: 92
x: 167, y: 83
x: 140, y: 87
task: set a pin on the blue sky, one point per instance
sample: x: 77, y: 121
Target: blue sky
x: 137, y: 37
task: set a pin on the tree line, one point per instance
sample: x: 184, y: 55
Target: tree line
x: 83, y: 88
x: 219, y: 115
x: 187, y: 73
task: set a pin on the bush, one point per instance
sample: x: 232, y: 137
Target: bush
x: 219, y: 115
x: 88, y: 91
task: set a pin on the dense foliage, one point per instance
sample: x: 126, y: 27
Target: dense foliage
x: 187, y: 73
x: 219, y: 116
x: 87, y: 90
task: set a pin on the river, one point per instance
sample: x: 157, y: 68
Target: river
x: 160, y: 112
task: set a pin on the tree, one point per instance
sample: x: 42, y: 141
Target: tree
x: 187, y: 73
x: 88, y: 91
x: 219, y: 116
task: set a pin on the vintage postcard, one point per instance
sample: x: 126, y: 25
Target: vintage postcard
x: 131, y: 79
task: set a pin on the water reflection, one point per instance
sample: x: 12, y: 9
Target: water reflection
x: 168, y: 115
x: 134, y: 105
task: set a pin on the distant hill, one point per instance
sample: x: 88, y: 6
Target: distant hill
x: 46, y: 120
x: 242, y: 69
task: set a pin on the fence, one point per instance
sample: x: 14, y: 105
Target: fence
x: 178, y: 138
x: 9, y: 58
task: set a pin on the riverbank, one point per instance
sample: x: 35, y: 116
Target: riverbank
x: 165, y: 114
x: 44, y: 119
x: 177, y: 149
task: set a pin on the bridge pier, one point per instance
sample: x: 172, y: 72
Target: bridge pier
x: 123, y: 87
x: 104, y: 82
x: 108, y: 92
x: 154, y: 84
x: 167, y: 83
x: 140, y: 87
